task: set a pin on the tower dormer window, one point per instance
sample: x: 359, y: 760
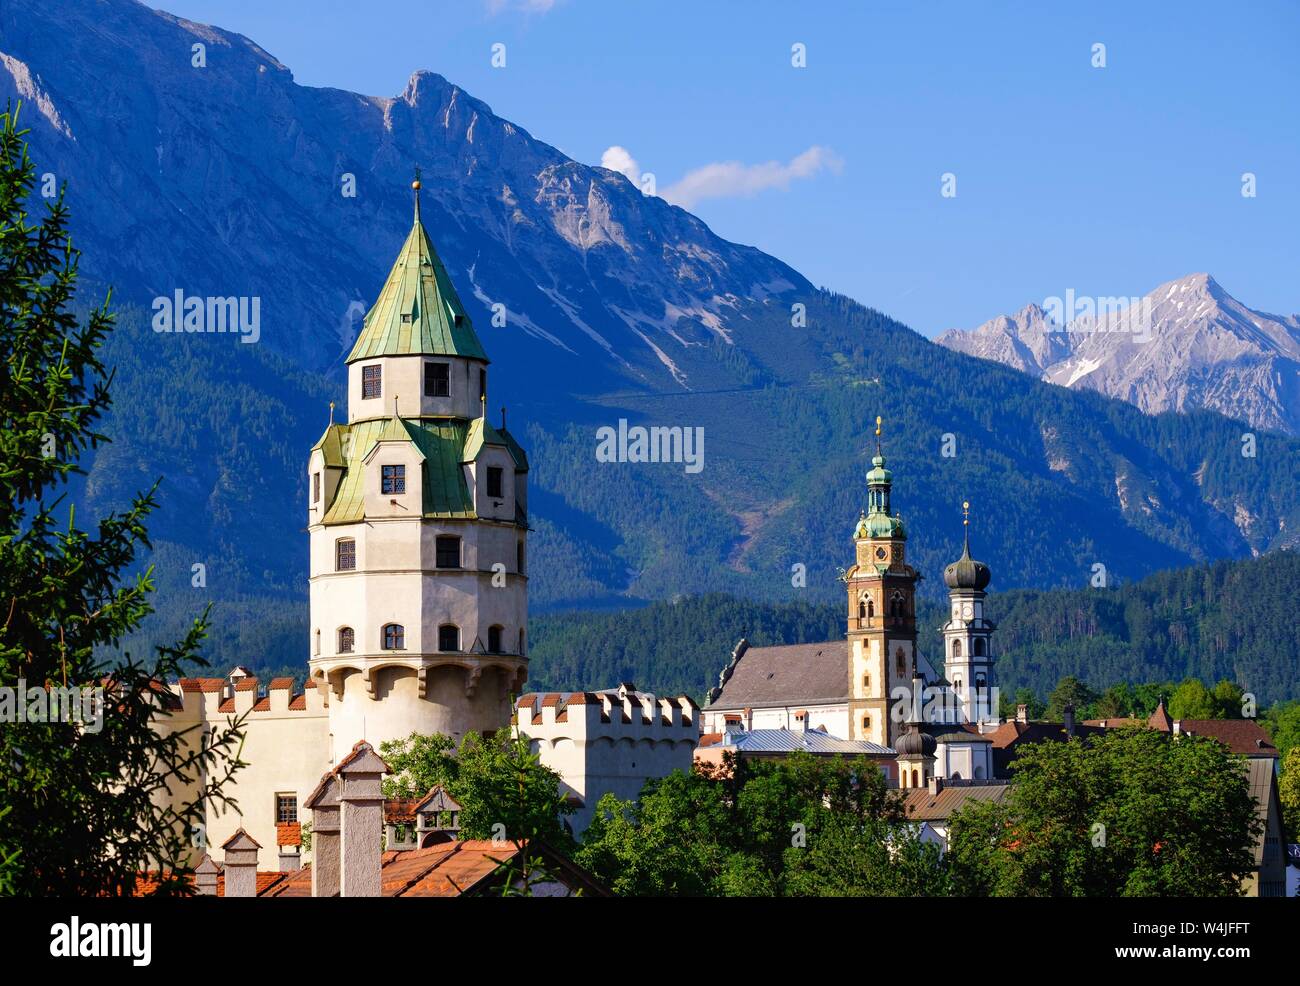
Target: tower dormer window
x: 393, y: 480
x: 372, y: 381
x: 345, y: 555
x: 394, y: 637
x: 494, y: 483
x: 447, y: 551
x: 437, y: 380
x: 406, y: 318
x: 980, y: 647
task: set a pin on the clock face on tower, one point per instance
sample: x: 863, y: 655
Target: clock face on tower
x: 967, y: 611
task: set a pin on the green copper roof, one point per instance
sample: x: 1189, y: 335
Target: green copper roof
x: 418, y: 287
x: 445, y: 493
x: 481, y: 433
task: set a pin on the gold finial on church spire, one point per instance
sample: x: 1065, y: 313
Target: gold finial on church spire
x: 331, y: 413
x: 878, y: 420
x: 415, y: 187
x: 965, y: 512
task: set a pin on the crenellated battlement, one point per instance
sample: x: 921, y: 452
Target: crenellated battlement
x: 204, y: 699
x: 616, y: 712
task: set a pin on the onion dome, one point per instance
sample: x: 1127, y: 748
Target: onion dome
x: 915, y: 743
x: 966, y: 572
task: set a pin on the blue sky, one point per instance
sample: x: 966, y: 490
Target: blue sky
x: 1106, y: 180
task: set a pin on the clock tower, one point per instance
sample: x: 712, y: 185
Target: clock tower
x: 882, y: 613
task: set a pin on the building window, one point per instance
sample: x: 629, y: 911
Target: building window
x: 286, y: 808
x: 371, y: 381
x: 956, y: 648
x: 316, y: 643
x: 900, y: 661
x: 979, y: 683
x: 448, y: 637
x: 315, y: 487
x: 347, y: 640
x: 394, y: 479
x: 494, y: 640
x: 345, y: 555
x: 394, y: 637
x: 896, y: 606
x: 494, y: 482
x: 862, y: 609
x: 406, y: 318
x: 447, y: 552
x: 979, y: 646
x: 866, y: 682
x: 866, y: 723
x: 437, y: 380
x: 871, y: 608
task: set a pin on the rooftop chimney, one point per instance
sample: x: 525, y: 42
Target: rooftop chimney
x: 241, y: 864
x: 1022, y: 713
x: 205, y: 876
x: 361, y: 824
x: 324, y: 806
x: 1069, y: 720
x: 935, y: 784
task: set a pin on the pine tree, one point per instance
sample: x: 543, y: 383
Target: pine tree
x: 83, y: 805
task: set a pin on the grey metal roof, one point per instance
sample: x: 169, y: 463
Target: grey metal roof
x: 793, y: 674
x: 811, y: 741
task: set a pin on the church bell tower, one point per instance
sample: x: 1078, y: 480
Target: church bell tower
x: 881, y: 615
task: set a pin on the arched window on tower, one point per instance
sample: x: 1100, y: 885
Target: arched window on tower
x: 862, y: 608
x: 448, y: 637
x: 494, y: 640
x: 871, y: 608
x: 956, y: 649
x: 915, y: 781
x: 896, y: 606
x: 347, y: 639
x: 900, y: 661
x: 980, y: 646
x: 394, y: 637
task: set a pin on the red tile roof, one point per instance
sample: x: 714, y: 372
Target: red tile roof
x: 288, y: 833
x: 298, y: 703
x: 202, y: 684
x: 227, y: 706
x: 1243, y: 736
x: 262, y: 705
x: 278, y: 683
x: 248, y: 684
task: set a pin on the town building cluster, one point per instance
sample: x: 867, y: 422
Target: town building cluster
x: 418, y: 523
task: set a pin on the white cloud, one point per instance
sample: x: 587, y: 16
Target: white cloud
x: 733, y: 179
x: 525, y: 6
x: 621, y: 160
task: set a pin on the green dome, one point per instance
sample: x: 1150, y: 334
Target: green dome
x: 879, y: 475
x: 879, y: 526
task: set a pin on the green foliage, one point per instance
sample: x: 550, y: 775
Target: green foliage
x: 1072, y: 692
x: 504, y: 790
x: 83, y: 809
x: 802, y: 826
x: 1192, y: 700
x: 1289, y: 795
x: 1132, y: 813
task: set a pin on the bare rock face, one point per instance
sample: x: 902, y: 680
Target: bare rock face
x: 1187, y: 345
x: 204, y: 178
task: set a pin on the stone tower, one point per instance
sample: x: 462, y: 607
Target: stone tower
x: 968, y: 635
x: 418, y: 518
x: 882, y: 613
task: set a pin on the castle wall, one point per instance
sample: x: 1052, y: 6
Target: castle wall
x: 608, y: 742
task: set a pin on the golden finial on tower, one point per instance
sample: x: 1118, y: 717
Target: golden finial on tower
x: 415, y: 187
x: 878, y: 420
x: 331, y: 412
x: 965, y: 512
